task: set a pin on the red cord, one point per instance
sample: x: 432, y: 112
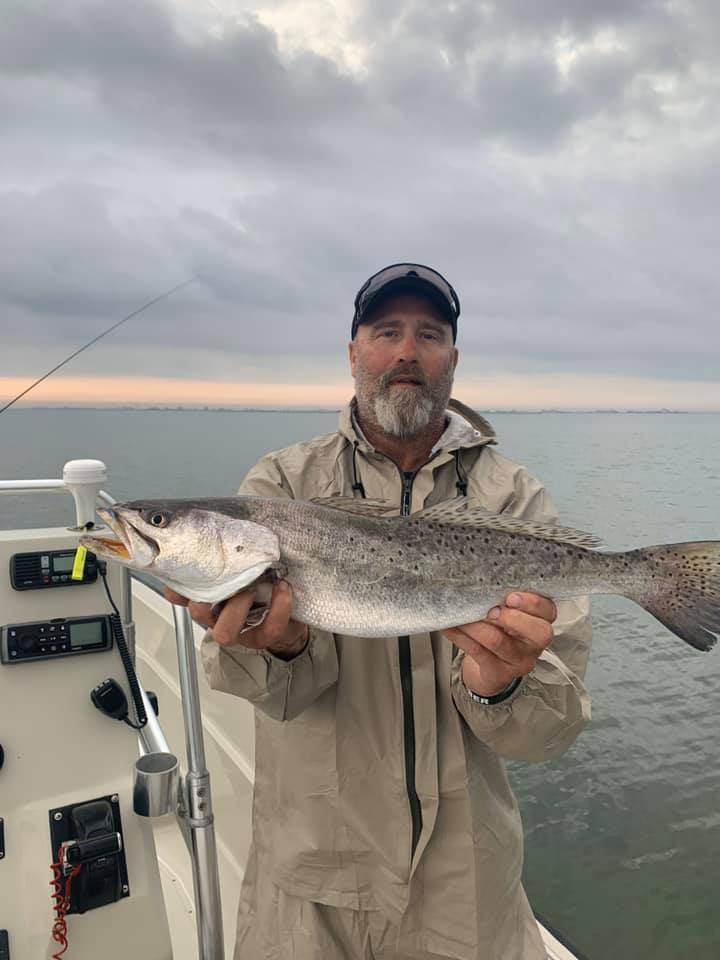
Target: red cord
x: 62, y: 902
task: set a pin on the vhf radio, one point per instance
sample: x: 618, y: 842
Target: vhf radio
x: 53, y: 568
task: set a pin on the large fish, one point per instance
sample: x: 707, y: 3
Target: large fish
x: 356, y: 570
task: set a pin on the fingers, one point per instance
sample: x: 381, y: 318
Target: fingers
x: 204, y: 614
x: 489, y: 645
x: 174, y: 597
x: 533, y: 604
x: 275, y: 624
x: 507, y: 644
x: 510, y: 637
x: 230, y: 622
x: 277, y: 632
x: 522, y: 626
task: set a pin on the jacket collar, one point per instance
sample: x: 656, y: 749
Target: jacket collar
x: 465, y: 428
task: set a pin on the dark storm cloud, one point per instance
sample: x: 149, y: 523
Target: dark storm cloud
x: 571, y: 217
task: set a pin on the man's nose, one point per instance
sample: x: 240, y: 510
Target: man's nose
x: 406, y: 348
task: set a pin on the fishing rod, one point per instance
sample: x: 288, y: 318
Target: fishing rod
x: 145, y: 306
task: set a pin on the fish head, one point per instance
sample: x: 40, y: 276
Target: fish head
x: 204, y: 555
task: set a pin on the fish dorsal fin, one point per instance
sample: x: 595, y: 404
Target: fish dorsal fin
x: 464, y: 513
x: 362, y: 508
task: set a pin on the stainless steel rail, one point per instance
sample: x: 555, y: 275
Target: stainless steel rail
x: 198, y: 799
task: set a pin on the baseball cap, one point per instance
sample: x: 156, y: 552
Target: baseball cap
x: 407, y: 278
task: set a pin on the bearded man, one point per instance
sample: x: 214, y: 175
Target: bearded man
x: 383, y: 822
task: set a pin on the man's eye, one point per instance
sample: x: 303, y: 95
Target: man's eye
x: 431, y: 335
x: 387, y: 333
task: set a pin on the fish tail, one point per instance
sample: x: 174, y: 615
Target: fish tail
x: 679, y: 584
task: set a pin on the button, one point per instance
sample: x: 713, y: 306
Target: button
x: 64, y: 577
x: 63, y: 646
x: 41, y: 630
x: 53, y: 648
x: 63, y: 628
x: 13, y: 633
x: 52, y: 629
x: 13, y: 653
x: 56, y: 579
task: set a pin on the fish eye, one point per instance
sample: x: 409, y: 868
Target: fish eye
x: 158, y: 519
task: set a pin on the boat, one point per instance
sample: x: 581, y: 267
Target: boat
x: 115, y: 842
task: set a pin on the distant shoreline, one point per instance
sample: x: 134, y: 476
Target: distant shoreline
x: 211, y: 409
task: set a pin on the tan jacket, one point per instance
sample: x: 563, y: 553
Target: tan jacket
x: 332, y: 817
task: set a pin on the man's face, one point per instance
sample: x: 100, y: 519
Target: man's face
x: 403, y: 360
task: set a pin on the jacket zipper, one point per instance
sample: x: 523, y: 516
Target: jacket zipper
x: 407, y: 697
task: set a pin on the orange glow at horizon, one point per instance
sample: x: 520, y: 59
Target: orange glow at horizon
x: 509, y: 391
x: 100, y: 391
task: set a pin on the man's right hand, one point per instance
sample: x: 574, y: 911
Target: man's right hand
x: 281, y: 636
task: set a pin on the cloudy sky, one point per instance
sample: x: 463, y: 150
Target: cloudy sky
x: 557, y: 160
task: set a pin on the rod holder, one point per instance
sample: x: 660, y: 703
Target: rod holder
x: 157, y: 777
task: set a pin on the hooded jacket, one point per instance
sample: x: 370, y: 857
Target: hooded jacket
x: 379, y: 782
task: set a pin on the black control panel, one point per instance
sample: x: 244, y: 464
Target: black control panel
x: 46, y: 639
x: 49, y: 568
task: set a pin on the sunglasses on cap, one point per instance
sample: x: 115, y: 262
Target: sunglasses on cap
x: 410, y: 277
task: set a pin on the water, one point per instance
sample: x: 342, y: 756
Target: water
x: 623, y: 831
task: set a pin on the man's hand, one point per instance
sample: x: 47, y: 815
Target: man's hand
x: 283, y: 637
x: 506, y: 644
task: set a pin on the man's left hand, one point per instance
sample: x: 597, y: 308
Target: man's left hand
x: 506, y: 644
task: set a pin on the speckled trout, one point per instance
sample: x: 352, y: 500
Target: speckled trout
x: 356, y: 569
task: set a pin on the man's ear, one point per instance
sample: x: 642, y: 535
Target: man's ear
x: 351, y: 355
x: 456, y: 357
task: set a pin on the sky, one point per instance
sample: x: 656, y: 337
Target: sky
x: 557, y: 160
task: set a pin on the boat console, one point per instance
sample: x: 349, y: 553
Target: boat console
x: 66, y: 784
x: 84, y: 765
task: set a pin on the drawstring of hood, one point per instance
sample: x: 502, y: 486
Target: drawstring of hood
x: 357, y: 486
x: 461, y: 484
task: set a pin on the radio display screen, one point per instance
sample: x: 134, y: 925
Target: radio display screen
x: 85, y: 634
x: 63, y: 564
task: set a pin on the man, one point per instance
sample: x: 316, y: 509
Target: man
x: 383, y: 822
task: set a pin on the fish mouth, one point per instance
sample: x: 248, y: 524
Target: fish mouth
x: 129, y: 544
x: 115, y: 547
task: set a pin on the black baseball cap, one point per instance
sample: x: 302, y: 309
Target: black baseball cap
x: 407, y: 278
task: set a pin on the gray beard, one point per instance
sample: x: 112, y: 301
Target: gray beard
x: 403, y: 413
x: 406, y: 416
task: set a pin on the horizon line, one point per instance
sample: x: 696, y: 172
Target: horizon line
x: 333, y: 409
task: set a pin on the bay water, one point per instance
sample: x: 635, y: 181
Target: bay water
x: 623, y: 831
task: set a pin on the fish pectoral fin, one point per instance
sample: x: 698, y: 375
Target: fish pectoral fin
x: 363, y: 508
x: 256, y: 616
x: 464, y: 513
